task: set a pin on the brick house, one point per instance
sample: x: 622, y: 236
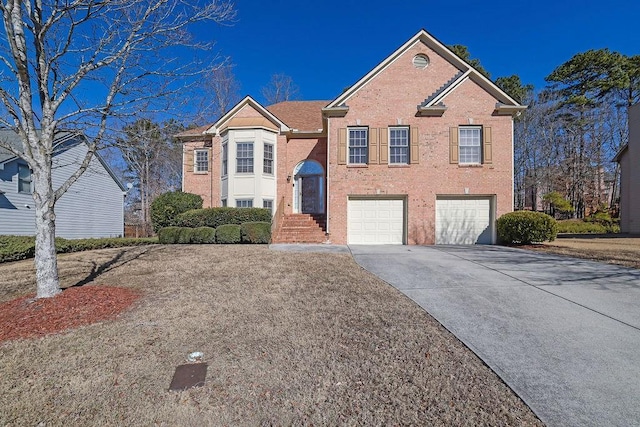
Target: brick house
x: 629, y: 159
x: 418, y: 151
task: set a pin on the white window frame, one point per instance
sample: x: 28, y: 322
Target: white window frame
x: 244, y: 203
x: 359, y: 152
x: 268, y: 202
x: 199, y: 165
x: 244, y: 168
x: 224, y: 166
x: 398, y: 144
x: 267, y: 166
x: 470, y: 145
x: 24, y: 180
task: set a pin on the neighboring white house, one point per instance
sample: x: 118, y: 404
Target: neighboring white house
x: 629, y: 159
x: 92, y: 207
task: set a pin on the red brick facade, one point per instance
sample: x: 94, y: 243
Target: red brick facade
x: 389, y: 96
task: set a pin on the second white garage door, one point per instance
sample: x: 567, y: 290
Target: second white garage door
x: 375, y: 221
x: 463, y: 221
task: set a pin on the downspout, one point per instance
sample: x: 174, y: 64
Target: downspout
x: 183, y: 166
x: 512, y: 162
x: 211, y: 175
x: 327, y: 172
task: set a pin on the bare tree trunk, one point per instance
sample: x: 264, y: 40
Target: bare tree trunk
x: 46, y: 262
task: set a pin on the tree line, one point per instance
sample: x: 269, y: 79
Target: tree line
x: 566, y: 140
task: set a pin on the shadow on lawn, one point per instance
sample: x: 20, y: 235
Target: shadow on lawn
x: 117, y: 261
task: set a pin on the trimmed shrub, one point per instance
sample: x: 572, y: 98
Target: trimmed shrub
x: 186, y: 235
x: 166, y: 207
x: 578, y: 226
x: 228, y: 233
x: 169, y: 235
x: 255, y: 232
x: 14, y: 248
x: 525, y: 227
x: 215, y: 217
x: 203, y: 235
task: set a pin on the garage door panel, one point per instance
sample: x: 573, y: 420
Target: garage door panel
x: 463, y: 221
x: 375, y: 221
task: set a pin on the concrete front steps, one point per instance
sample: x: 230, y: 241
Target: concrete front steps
x: 301, y: 228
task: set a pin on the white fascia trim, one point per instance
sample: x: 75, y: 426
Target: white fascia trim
x: 449, y: 89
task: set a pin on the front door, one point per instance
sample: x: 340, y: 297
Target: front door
x: 310, y: 192
x: 308, y: 186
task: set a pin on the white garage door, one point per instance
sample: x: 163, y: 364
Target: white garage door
x: 375, y: 221
x: 463, y: 221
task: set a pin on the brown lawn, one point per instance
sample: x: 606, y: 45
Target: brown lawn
x: 617, y: 249
x: 289, y: 338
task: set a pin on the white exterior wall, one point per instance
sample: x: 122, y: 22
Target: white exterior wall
x: 92, y: 207
x: 257, y: 186
x: 17, y: 213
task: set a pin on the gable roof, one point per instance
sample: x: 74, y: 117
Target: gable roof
x: 300, y: 115
x: 197, y: 131
x: 12, y: 139
x: 424, y: 37
x: 220, y: 124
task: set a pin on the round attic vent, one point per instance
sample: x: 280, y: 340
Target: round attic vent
x: 421, y: 61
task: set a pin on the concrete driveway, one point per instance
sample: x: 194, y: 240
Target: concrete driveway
x: 563, y: 333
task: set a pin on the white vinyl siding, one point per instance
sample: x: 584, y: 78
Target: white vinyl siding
x: 399, y: 145
x: 470, y: 142
x: 92, y: 207
x: 358, y: 144
x: 464, y: 220
x: 375, y: 221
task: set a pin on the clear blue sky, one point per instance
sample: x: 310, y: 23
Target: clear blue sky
x: 326, y: 46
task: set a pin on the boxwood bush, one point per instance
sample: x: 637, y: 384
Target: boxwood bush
x: 255, y: 232
x: 203, y: 235
x: 185, y: 236
x: 215, y: 217
x: 228, y: 233
x: 166, y: 207
x: 525, y: 227
x: 168, y: 235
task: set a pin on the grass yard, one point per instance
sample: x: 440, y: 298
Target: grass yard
x: 616, y: 249
x: 289, y: 338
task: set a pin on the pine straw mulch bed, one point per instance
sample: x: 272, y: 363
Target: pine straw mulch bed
x: 289, y: 339
x: 27, y: 317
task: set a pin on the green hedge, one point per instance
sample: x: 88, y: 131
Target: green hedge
x: 14, y: 248
x: 525, y: 227
x: 255, y: 232
x: 166, y: 207
x: 228, y: 233
x: 168, y: 235
x: 578, y: 226
x: 186, y: 235
x: 204, y: 235
x: 215, y: 217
